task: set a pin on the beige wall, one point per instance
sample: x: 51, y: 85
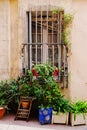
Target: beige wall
x: 4, y: 39
x: 14, y: 49
x: 78, y: 68
x: 8, y: 39
x: 13, y: 32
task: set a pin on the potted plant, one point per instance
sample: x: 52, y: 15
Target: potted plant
x: 3, y: 107
x: 26, y: 91
x: 4, y: 97
x: 45, y: 89
x: 78, y: 113
x: 61, y: 111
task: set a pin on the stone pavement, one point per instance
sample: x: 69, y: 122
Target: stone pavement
x: 58, y: 127
x: 8, y: 123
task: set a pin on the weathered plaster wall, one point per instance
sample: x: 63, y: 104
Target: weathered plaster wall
x: 4, y: 39
x: 78, y: 87
x: 14, y: 66
x: 9, y: 67
x: 13, y: 32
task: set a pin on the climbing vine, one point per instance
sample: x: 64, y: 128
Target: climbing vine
x: 68, y: 18
x: 67, y: 21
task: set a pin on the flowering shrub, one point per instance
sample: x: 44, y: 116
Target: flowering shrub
x: 44, y: 85
x: 44, y: 70
x: 55, y: 73
x: 45, y: 89
x: 35, y: 72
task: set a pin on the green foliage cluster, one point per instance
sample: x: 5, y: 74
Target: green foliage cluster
x: 43, y: 87
x: 25, y: 87
x: 11, y: 90
x: 67, y: 21
x: 4, y: 93
x: 79, y: 107
x: 46, y: 89
x: 68, y: 18
x: 9, y: 93
x: 56, y: 10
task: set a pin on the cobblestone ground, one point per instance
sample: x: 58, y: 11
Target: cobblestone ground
x: 8, y: 123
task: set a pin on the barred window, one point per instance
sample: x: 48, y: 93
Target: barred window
x: 45, y: 42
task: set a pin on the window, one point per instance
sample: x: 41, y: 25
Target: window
x: 45, y: 41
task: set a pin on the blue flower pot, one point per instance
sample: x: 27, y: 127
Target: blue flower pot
x: 45, y: 116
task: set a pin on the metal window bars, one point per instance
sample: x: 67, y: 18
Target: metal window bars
x: 45, y: 42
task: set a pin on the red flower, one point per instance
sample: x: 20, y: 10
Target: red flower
x: 35, y: 72
x: 55, y: 73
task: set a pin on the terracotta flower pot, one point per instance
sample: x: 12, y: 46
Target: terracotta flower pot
x: 25, y: 105
x: 2, y: 112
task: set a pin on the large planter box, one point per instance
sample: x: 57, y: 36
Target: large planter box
x: 60, y: 118
x: 79, y: 119
x: 45, y: 116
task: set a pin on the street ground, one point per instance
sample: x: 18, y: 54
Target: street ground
x: 8, y: 123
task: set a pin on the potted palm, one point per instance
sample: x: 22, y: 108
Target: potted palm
x: 78, y: 115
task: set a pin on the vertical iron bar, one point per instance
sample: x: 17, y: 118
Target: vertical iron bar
x: 52, y: 40
x: 59, y: 47
x: 64, y: 58
x: 41, y: 39
x: 36, y: 37
x: 63, y: 65
x: 47, y: 36
x: 30, y: 33
x: 28, y: 47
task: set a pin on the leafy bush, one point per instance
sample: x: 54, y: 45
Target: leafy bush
x: 4, y: 93
x: 79, y: 107
x: 46, y: 89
